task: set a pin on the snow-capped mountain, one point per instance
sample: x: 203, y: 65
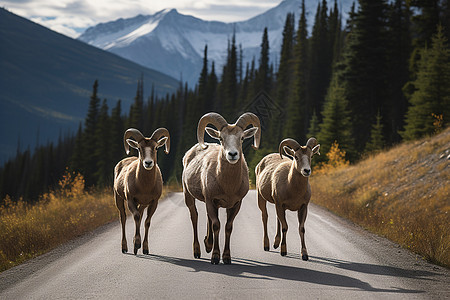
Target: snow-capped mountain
x: 173, y: 43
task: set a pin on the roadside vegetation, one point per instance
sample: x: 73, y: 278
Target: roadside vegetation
x: 28, y: 230
x: 402, y: 194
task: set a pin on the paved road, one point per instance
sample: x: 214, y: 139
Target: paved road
x: 346, y: 262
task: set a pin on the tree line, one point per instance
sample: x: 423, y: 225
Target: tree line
x: 381, y: 78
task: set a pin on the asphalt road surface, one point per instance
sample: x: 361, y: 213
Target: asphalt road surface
x: 346, y: 262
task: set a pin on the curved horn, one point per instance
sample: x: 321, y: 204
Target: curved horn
x: 311, y: 143
x: 135, y: 134
x: 291, y: 143
x: 250, y: 119
x: 210, y: 118
x: 160, y: 132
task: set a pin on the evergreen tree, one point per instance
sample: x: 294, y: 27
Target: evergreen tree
x: 117, y: 131
x: 103, y: 151
x: 314, y: 127
x: 297, y: 109
x: 362, y: 71
x: 445, y: 18
x: 136, y: 119
x: 203, y: 82
x: 425, y: 21
x: 89, y: 164
x: 76, y: 160
x: 336, y: 125
x: 350, y: 25
x: 284, y: 76
x: 229, y: 82
x: 398, y: 53
x: 243, y: 93
x: 321, y: 55
x: 252, y: 85
x: 376, y: 141
x: 240, y: 62
x: 149, y: 111
x: 211, y: 89
x: 262, y: 80
x: 335, y: 33
x: 432, y: 89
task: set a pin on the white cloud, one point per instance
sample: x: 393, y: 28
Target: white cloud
x: 70, y: 17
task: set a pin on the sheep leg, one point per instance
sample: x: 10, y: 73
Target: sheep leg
x: 263, y: 208
x: 190, y: 203
x: 150, y: 211
x: 123, y: 219
x: 209, y: 236
x: 281, y: 214
x: 231, y: 214
x: 301, y: 229
x: 277, y: 241
x: 212, y: 212
x: 137, y: 220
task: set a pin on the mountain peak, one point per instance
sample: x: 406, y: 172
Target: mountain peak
x: 173, y: 43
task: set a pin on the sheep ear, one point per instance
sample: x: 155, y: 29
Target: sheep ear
x: 132, y: 143
x: 213, y: 133
x: 315, y: 150
x: 289, y: 152
x: 161, y: 143
x: 250, y: 132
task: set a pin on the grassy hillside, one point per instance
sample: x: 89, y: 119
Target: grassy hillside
x: 403, y: 194
x: 46, y: 80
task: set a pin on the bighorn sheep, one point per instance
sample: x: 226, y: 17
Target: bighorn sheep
x: 138, y: 180
x: 285, y: 184
x: 218, y: 175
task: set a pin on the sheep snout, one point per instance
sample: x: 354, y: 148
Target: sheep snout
x: 232, y: 157
x: 148, y: 164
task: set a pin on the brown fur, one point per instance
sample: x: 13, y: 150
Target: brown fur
x: 279, y: 181
x: 209, y: 176
x: 141, y: 188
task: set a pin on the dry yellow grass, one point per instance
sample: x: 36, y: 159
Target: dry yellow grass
x: 30, y: 230
x: 402, y: 194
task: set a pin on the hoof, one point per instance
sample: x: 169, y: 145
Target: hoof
x: 196, y: 255
x: 137, y: 245
x: 135, y: 250
x: 215, y: 260
x: 275, y: 246
x: 266, y: 248
x: 124, y: 251
x: 227, y: 261
x: 208, y: 247
x: 145, y: 251
x: 283, y: 253
x: 305, y: 257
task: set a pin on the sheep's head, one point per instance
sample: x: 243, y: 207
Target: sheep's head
x: 301, y: 155
x: 230, y: 136
x: 147, y: 147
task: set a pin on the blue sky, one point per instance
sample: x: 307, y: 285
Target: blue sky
x: 72, y: 17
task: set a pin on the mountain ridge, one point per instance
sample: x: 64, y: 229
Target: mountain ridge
x: 46, y: 80
x: 176, y: 42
